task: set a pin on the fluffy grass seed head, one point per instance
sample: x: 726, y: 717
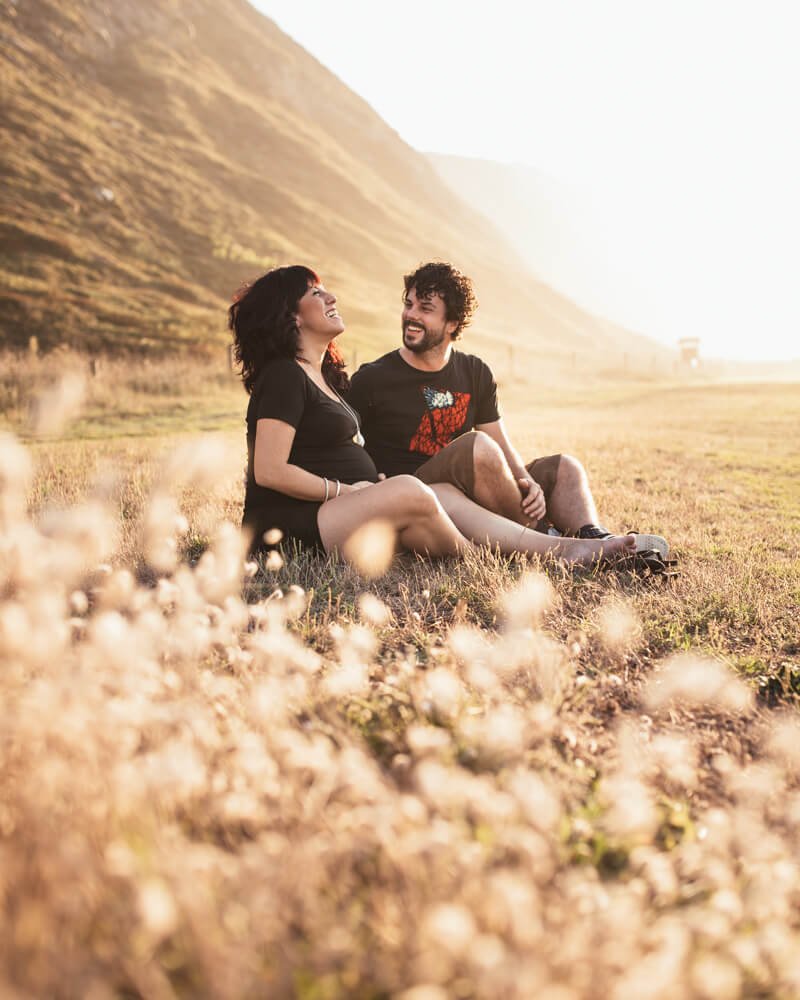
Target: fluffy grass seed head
x: 444, y: 694
x: 676, y: 757
x: 618, y: 627
x: 783, y: 743
x: 697, y: 682
x: 161, y: 523
x: 204, y: 463
x: 16, y: 474
x: 631, y: 810
x: 157, y: 909
x: 59, y: 404
x: 344, y: 679
x: 424, y: 991
x: 373, y: 610
x: 220, y: 571
x: 497, y: 737
x: 526, y: 604
x: 371, y: 547
x: 449, y: 926
x: 78, y: 539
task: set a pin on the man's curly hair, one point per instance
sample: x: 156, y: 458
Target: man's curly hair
x: 454, y: 287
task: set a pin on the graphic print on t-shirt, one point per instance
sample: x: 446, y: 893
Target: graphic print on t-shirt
x: 445, y: 415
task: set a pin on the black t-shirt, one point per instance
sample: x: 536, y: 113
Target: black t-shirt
x: 409, y: 415
x: 323, y: 443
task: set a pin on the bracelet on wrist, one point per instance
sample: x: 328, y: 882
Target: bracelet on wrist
x: 338, y: 487
x: 327, y: 490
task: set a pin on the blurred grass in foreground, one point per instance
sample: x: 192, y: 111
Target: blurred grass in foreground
x: 462, y: 779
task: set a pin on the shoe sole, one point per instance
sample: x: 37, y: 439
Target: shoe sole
x: 657, y: 542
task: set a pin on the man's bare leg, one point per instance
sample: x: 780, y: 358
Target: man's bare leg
x: 495, y: 487
x: 571, y: 505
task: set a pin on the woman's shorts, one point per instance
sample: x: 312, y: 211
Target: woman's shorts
x: 295, y: 519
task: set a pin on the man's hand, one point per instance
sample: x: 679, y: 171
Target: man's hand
x: 533, y: 503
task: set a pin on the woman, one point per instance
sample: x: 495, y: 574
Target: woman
x: 308, y: 473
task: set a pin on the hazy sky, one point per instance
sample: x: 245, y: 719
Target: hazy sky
x: 676, y: 121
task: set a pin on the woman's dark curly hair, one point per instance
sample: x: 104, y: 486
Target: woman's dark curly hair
x: 454, y: 287
x: 263, y: 321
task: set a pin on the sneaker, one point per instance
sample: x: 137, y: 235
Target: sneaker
x: 593, y: 531
x: 644, y: 542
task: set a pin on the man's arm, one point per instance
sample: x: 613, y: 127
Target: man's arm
x: 532, y: 498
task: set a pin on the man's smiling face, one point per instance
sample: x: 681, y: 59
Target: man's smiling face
x: 424, y: 322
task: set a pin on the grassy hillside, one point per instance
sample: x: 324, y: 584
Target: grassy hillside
x: 160, y: 153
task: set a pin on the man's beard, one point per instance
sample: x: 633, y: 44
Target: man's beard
x: 427, y: 342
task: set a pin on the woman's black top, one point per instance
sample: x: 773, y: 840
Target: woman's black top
x: 323, y: 444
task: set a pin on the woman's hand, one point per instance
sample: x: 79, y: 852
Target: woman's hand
x: 357, y: 486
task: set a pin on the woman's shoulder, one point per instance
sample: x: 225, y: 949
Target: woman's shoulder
x: 281, y: 365
x: 280, y: 391
x: 281, y: 371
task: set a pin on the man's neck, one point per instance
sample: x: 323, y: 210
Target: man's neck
x: 429, y: 361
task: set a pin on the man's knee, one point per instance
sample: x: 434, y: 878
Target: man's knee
x: 547, y: 472
x: 487, y: 455
x: 570, y: 468
x: 453, y: 464
x: 464, y: 445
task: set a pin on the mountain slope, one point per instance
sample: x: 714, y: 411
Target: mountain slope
x: 160, y: 152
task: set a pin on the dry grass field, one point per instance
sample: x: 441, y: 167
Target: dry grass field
x: 476, y: 779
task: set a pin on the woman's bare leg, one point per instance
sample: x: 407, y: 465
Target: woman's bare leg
x: 408, y: 505
x: 485, y: 527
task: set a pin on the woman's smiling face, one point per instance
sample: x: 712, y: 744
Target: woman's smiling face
x: 317, y: 313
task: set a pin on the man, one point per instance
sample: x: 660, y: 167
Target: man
x: 417, y: 405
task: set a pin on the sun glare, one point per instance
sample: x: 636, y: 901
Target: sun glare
x: 660, y: 135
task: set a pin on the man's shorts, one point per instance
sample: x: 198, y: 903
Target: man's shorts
x: 454, y: 464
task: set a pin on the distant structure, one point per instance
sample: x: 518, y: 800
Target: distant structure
x: 690, y: 351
